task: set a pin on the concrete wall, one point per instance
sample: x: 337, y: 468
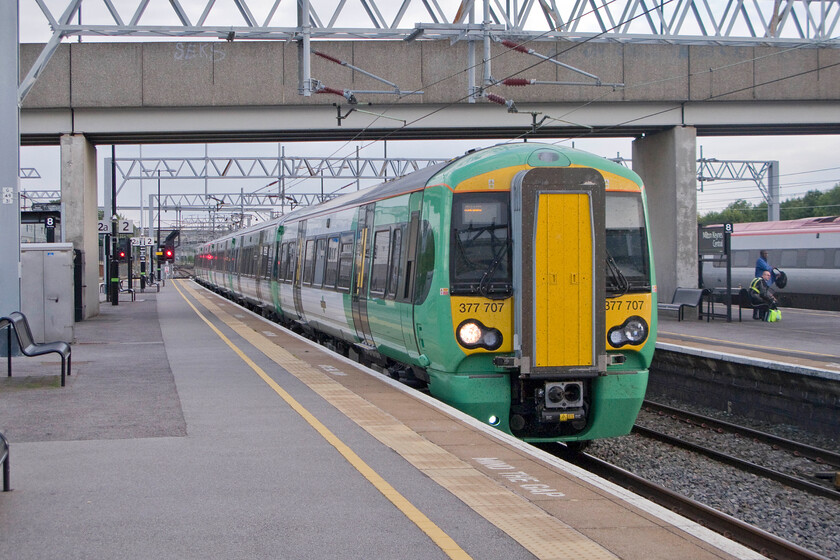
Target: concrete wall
x: 771, y: 395
x: 208, y: 74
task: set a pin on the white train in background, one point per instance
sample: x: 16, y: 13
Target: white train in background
x: 807, y: 250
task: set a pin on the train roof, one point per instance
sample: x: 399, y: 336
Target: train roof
x: 470, y: 163
x: 802, y: 225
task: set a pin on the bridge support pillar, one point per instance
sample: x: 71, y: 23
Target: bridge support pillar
x: 78, y: 194
x: 667, y: 163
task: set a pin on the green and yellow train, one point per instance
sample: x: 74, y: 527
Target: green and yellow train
x: 515, y: 282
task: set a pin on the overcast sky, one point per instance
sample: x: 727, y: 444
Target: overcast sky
x: 806, y: 162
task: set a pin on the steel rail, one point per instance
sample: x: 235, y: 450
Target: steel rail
x: 752, y: 537
x: 814, y: 453
x: 787, y: 480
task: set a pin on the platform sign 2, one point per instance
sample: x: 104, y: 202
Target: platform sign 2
x: 123, y: 226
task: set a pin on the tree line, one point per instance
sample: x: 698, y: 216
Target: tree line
x: 811, y: 205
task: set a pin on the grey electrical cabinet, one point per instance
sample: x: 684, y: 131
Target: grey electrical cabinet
x: 46, y: 290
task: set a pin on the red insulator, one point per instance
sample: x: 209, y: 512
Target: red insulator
x: 516, y: 82
x: 328, y: 57
x: 511, y: 45
x: 330, y: 90
x: 496, y: 98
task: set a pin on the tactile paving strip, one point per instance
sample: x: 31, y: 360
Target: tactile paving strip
x: 543, y: 535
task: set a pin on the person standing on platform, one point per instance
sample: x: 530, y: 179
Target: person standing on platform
x: 761, y: 265
x: 762, y: 299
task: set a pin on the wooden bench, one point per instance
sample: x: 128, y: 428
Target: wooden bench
x: 17, y: 321
x: 4, y: 459
x: 683, y: 297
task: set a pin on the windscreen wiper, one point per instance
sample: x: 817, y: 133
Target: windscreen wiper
x: 484, y: 284
x: 617, y: 277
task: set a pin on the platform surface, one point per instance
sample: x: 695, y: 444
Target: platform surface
x: 804, y: 341
x: 191, y: 428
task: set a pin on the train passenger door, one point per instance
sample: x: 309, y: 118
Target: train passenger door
x: 406, y: 287
x: 262, y: 263
x: 361, y: 272
x: 558, y: 215
x: 297, y: 278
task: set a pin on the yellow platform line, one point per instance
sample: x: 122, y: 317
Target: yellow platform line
x: 540, y: 533
x: 438, y: 536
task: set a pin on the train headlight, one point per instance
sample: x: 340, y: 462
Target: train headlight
x: 469, y: 333
x: 472, y: 334
x: 633, y: 331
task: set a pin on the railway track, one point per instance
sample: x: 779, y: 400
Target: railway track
x: 748, y: 466
x: 792, y: 463
x: 816, y: 454
x: 748, y: 535
x: 828, y: 459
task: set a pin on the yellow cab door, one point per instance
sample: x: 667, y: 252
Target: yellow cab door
x: 558, y: 213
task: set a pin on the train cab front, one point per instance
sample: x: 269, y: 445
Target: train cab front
x: 530, y: 272
x: 584, y: 321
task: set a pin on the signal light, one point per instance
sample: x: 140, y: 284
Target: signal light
x: 168, y: 254
x: 121, y: 253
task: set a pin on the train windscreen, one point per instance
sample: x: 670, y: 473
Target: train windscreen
x: 480, y: 247
x: 628, y: 265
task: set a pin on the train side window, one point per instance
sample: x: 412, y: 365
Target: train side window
x: 266, y: 261
x: 281, y: 262
x: 836, y: 258
x: 288, y: 269
x: 320, y: 261
x: 409, y: 257
x: 291, y: 264
x: 261, y: 255
x: 742, y: 259
x: 332, y: 262
x: 815, y: 258
x: 788, y: 259
x: 345, y: 262
x: 425, y: 263
x: 379, y: 270
x: 395, y: 264
x: 308, y: 262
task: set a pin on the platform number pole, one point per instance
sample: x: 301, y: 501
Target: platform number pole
x: 49, y: 225
x: 727, y: 234
x: 114, y: 273
x: 143, y: 268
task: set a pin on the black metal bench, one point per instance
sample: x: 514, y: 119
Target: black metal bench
x: 4, y: 459
x: 745, y: 301
x: 17, y: 321
x: 683, y: 297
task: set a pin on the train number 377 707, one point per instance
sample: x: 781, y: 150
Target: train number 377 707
x: 475, y: 307
x: 626, y: 305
